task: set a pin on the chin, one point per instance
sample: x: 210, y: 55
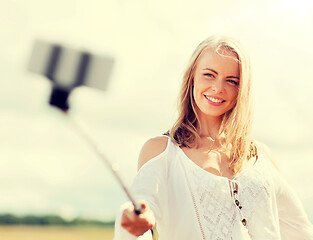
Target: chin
x: 216, y: 115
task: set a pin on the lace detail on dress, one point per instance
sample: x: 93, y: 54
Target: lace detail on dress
x: 255, y: 191
x: 219, y: 216
x: 196, y: 211
x: 213, y: 204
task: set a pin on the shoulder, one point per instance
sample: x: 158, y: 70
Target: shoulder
x: 152, y: 148
x: 261, y: 147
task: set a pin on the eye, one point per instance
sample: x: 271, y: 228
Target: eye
x: 209, y: 75
x: 233, y: 82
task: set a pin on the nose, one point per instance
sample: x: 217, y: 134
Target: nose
x: 218, y: 86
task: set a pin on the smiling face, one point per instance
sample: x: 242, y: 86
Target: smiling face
x: 216, y: 82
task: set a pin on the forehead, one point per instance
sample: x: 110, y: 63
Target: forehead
x: 221, y: 60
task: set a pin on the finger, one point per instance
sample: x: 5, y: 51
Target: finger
x: 138, y: 227
x: 131, y: 216
x: 143, y: 205
x: 128, y: 215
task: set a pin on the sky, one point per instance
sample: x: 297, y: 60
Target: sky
x: 47, y: 167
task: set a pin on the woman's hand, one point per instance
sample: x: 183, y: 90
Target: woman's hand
x: 138, y: 224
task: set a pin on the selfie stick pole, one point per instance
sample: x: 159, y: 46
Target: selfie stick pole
x: 137, y: 207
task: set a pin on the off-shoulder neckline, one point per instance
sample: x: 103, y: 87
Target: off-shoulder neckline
x: 191, y: 162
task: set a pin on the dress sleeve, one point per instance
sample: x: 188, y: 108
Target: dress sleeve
x: 149, y: 185
x: 294, y: 223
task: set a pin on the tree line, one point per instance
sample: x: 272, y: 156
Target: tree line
x: 50, y: 220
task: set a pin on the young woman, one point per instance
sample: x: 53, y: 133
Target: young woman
x: 207, y: 179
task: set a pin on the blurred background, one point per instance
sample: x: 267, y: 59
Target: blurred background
x: 47, y: 168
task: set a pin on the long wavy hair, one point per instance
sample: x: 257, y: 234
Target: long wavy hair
x: 236, y: 123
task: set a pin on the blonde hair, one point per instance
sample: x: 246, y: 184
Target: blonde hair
x: 236, y: 123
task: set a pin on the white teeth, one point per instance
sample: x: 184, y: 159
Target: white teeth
x: 214, y: 99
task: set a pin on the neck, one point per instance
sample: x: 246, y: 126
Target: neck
x: 210, y: 127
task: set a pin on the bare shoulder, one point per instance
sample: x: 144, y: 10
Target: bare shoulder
x: 267, y: 151
x: 152, y: 148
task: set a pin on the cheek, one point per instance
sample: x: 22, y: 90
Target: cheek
x: 196, y: 96
x: 197, y: 92
x: 233, y: 93
x: 194, y: 93
x: 195, y: 88
x: 200, y: 85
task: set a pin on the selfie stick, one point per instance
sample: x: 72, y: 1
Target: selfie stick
x: 68, y: 68
x: 137, y: 207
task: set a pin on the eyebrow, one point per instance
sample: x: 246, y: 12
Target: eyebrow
x: 217, y: 73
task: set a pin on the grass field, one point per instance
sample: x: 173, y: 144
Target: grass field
x: 52, y: 233
x: 59, y: 233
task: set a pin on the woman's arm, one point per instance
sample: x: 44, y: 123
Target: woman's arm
x: 293, y: 221
x: 146, y: 186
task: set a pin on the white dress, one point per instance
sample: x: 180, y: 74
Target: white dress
x: 190, y: 203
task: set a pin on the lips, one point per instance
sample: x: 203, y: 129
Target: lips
x: 215, y: 99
